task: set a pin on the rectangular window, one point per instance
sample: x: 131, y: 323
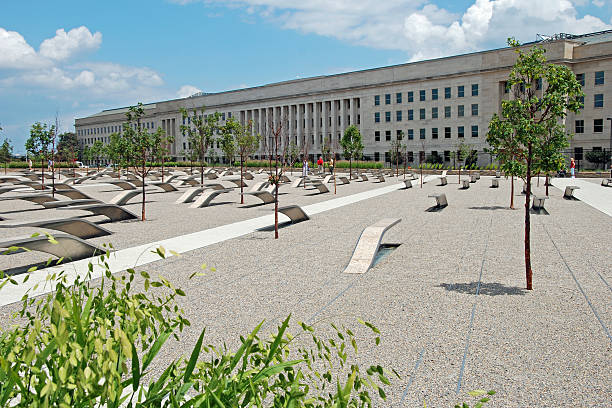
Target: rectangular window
x: 447, y: 155
x: 460, y: 131
x: 434, y: 133
x: 410, y: 114
x: 223, y: 116
x: 460, y: 91
x: 599, y: 100
x: 387, y: 157
x: 398, y: 134
x: 377, y: 136
x: 474, y: 89
x: 387, y: 99
x: 422, y: 113
x: 598, y: 125
x: 539, y: 84
x: 447, y: 111
x: 410, y: 134
x: 376, y: 156
x: 447, y: 92
x: 474, y: 130
x: 580, y: 79
x: 398, y: 116
x: 422, y: 133
x: 376, y: 100
x: 410, y: 96
x: 376, y: 117
x: 578, y: 153
x: 447, y: 132
x: 579, y: 126
x: 474, y: 109
x: 460, y: 110
x: 434, y: 94
x: 506, y: 86
x: 387, y: 116
x: 398, y: 97
x: 434, y: 113
x: 410, y: 157
x: 387, y: 135
x: 599, y: 78
x: 422, y: 95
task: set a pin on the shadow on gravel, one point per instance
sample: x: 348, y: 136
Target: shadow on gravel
x: 490, y: 208
x: 489, y: 289
x: 436, y: 208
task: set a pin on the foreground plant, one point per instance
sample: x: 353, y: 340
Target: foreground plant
x: 93, y: 346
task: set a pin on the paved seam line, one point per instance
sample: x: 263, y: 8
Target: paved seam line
x: 603, y: 325
x: 469, y: 334
x: 604, y: 281
x: 334, y: 299
x: 414, y: 371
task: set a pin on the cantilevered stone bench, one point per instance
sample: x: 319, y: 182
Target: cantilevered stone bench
x: 73, y: 194
x: 264, y: 195
x: 8, y: 189
x: 569, y: 191
x: 215, y: 186
x: 68, y: 203
x: 342, y: 180
x: 443, y: 181
x: 477, y: 175
x: 112, y: 211
x: 35, y: 185
x: 407, y: 183
x: 126, y: 185
x: 606, y: 182
x: 368, y: 244
x: 80, y: 180
x: 525, y: 189
x: 473, y: 178
x: 320, y: 186
x: 494, y: 183
x: 465, y: 184
x: 68, y: 246
x: 380, y: 178
x: 123, y: 197
x: 211, y: 176
x: 498, y: 174
x: 328, y: 178
x: 299, y: 182
x: 189, y: 182
x: 167, y: 187
x: 440, y: 200
x: 206, y: 197
x: 284, y: 179
x: 295, y: 213
x: 34, y: 198
x: 258, y: 186
x: 78, y: 227
x: 189, y: 195
x: 363, y: 177
x: 538, y: 202
x: 237, y: 182
x: 247, y: 176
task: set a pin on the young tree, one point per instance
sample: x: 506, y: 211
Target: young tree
x: 39, y: 142
x: 96, y: 151
x: 228, y: 147
x: 534, y: 119
x: 68, y: 148
x: 161, y: 151
x: 140, y: 145
x: 462, y: 152
x: 6, y: 152
x: 352, y: 146
x: 396, y: 154
x: 200, y: 130
x: 293, y: 154
x: 597, y: 157
x: 245, y: 143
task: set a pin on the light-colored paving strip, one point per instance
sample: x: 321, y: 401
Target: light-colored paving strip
x: 133, y: 257
x: 598, y: 197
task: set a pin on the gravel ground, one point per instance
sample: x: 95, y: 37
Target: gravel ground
x: 549, y: 347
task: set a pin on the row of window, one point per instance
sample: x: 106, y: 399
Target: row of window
x: 422, y: 113
x: 110, y: 129
x: 599, y: 78
x: 598, y: 126
x: 188, y: 120
x: 399, y: 134
x: 423, y: 95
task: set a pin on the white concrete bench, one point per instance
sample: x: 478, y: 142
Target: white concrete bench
x: 167, y: 187
x: 538, y: 202
x: 211, y: 176
x: 443, y: 181
x: 215, y: 186
x: 380, y: 178
x: 8, y: 189
x: 73, y: 194
x: 473, y: 178
x: 189, y: 195
x: 465, y: 184
x: 264, y: 195
x: 68, y: 246
x: 606, y: 182
x: 33, y: 198
x: 247, y: 176
x: 320, y: 186
x: 284, y: 179
x: 342, y: 180
x: 525, y: 189
x: 205, y: 199
x: 237, y: 182
x: 299, y: 182
x: 477, y: 175
x: 259, y: 185
x: 35, y: 185
x: 498, y: 174
x: 295, y: 213
x: 440, y: 200
x: 75, y: 226
x: 328, y: 178
x: 494, y: 183
x: 112, y: 211
x: 68, y: 203
x: 407, y: 183
x: 569, y: 191
x: 363, y: 177
x: 123, y: 197
x: 368, y: 245
x: 126, y: 185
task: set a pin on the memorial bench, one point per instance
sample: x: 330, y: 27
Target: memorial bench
x: 368, y: 245
x: 65, y: 246
x: 465, y: 184
x: 74, y: 226
x: 538, y: 202
x: 295, y: 213
x: 206, y: 198
x: 441, y: 201
x: 494, y: 183
x: 569, y: 191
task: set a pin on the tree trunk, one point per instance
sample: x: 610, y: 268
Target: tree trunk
x: 528, y: 271
x: 201, y: 173
x: 546, y: 184
x: 421, y: 166
x: 162, y: 169
x: 350, y: 168
x: 143, y: 187
x: 241, y: 183
x: 459, y: 174
x: 42, y: 169
x: 512, y: 192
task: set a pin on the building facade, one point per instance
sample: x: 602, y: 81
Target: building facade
x: 432, y: 106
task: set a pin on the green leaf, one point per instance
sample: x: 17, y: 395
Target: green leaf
x: 476, y: 393
x: 194, y: 357
x: 135, y: 369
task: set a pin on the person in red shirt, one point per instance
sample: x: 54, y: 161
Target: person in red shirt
x: 320, y: 164
x: 572, y: 167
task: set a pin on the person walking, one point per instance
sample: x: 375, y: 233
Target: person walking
x: 30, y: 163
x: 320, y: 164
x: 572, y: 167
x: 305, y: 168
x: 331, y: 165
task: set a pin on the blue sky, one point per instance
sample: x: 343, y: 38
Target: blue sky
x: 74, y: 58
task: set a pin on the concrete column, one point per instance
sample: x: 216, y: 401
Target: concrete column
x: 308, y: 127
x: 317, y: 126
x: 325, y: 121
x: 300, y: 125
x: 291, y: 117
x: 334, y: 116
x: 343, y: 115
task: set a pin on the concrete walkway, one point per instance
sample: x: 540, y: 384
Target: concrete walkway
x: 595, y: 195
x: 133, y: 257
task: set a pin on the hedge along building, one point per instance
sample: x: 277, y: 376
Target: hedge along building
x: 433, y: 105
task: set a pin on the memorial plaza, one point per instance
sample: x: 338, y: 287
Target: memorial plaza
x: 446, y: 291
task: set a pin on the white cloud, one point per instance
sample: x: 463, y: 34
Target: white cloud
x: 599, y: 3
x: 187, y: 90
x: 16, y: 53
x: 418, y: 27
x: 65, y: 44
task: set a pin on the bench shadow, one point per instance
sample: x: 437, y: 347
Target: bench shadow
x: 220, y: 203
x: 271, y: 227
x: 490, y: 208
x: 255, y: 205
x: 436, y: 208
x: 488, y: 289
x: 20, y: 270
x: 315, y: 194
x: 570, y: 198
x: 541, y: 211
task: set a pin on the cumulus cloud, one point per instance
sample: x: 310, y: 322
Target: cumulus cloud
x: 16, y: 53
x: 187, y: 90
x: 65, y: 44
x: 418, y: 27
